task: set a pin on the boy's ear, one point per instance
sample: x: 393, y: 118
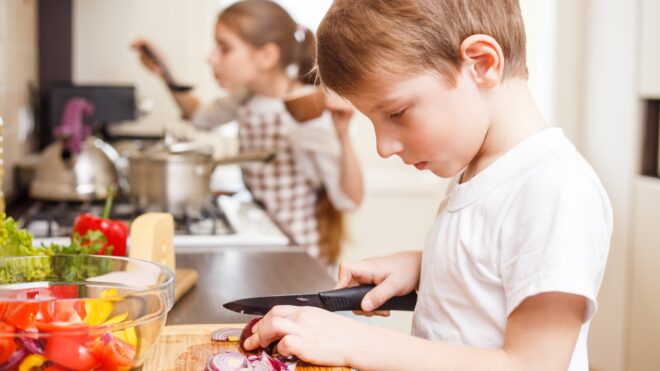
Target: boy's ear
x: 483, y: 57
x: 268, y: 56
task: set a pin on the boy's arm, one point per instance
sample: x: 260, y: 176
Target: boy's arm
x: 541, y: 335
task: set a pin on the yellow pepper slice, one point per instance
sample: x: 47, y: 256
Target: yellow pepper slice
x: 116, y: 319
x: 33, y: 360
x: 127, y: 335
x: 97, y: 310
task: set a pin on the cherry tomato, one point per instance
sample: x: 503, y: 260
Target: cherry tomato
x: 69, y: 353
x: 64, y: 291
x: 56, y: 367
x: 25, y: 315
x: 7, y: 343
x: 118, y: 354
x: 69, y: 311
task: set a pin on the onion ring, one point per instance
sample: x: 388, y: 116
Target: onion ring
x: 227, y: 361
x: 226, y: 334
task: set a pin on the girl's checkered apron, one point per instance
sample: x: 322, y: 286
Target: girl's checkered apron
x: 280, y: 185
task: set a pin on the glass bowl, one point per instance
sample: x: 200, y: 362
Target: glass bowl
x: 81, y: 312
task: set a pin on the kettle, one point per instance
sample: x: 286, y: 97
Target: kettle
x: 77, y: 166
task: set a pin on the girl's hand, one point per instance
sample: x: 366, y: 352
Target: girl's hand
x: 147, y: 61
x: 342, y: 111
x: 393, y: 275
x: 311, y: 334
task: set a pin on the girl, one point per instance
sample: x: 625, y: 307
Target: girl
x: 511, y: 269
x: 261, y: 56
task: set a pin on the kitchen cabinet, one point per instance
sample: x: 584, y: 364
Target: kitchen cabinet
x: 649, y: 76
x: 644, y: 335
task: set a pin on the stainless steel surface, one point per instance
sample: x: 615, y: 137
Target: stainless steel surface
x: 172, y: 182
x: 175, y: 178
x: 83, y: 177
x: 225, y: 222
x: 231, y: 274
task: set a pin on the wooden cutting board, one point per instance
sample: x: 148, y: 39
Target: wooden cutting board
x: 188, y: 347
x: 184, y: 280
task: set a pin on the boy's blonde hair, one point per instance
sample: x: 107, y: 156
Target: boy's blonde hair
x: 362, y: 40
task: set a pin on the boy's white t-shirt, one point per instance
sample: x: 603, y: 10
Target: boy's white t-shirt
x: 536, y: 220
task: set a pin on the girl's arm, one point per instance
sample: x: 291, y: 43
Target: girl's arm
x: 187, y: 101
x: 541, y: 335
x: 351, y: 174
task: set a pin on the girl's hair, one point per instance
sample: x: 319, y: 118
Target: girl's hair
x: 331, y: 229
x: 259, y: 22
x: 360, y: 41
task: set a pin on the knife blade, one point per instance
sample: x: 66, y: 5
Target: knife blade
x: 349, y: 298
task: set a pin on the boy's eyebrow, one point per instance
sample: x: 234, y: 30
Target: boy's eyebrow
x: 388, y: 102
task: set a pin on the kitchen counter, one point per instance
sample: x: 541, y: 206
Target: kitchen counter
x: 232, y: 274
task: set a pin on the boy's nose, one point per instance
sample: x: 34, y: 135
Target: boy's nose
x: 387, y: 145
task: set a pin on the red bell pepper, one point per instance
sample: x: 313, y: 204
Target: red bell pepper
x: 115, y: 231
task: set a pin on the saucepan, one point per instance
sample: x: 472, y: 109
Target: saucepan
x: 175, y: 178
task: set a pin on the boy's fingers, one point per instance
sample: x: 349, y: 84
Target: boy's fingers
x: 344, y: 277
x: 382, y: 313
x: 353, y: 273
x: 379, y: 295
x: 270, y: 331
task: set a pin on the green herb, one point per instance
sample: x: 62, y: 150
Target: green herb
x: 17, y: 242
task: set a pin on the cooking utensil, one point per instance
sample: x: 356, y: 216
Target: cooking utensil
x: 125, y: 301
x: 306, y: 103
x: 169, y: 79
x: 349, y: 298
x: 63, y: 176
x: 176, y: 178
x: 188, y: 347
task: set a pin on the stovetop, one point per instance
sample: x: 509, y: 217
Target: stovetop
x: 223, y: 222
x: 45, y: 219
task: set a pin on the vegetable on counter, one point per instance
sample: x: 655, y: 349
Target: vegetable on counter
x: 230, y: 360
x: 18, y: 242
x: 115, y: 231
x: 70, y: 344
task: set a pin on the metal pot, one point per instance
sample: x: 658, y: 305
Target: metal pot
x: 63, y: 176
x: 176, y: 178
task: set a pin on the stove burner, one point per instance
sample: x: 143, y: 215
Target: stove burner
x: 45, y: 219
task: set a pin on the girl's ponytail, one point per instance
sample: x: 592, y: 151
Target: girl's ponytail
x: 307, y: 56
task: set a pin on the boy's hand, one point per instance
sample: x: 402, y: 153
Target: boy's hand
x: 393, y: 275
x: 341, y: 110
x: 311, y: 334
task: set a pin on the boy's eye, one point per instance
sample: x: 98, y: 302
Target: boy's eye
x: 397, y: 115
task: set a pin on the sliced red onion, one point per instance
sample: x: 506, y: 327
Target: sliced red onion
x: 14, y: 360
x: 107, y: 338
x: 275, y: 363
x: 33, y: 346
x: 247, y: 331
x: 227, y: 361
x: 224, y: 334
x: 261, y: 364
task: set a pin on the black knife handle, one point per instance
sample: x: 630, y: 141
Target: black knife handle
x: 350, y: 298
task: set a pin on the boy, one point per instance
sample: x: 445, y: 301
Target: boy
x: 511, y: 269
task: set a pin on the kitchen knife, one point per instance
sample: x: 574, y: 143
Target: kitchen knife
x: 349, y: 298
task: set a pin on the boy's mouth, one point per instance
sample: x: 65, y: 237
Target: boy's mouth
x: 421, y: 165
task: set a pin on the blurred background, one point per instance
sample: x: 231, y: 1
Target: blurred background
x: 594, y: 69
